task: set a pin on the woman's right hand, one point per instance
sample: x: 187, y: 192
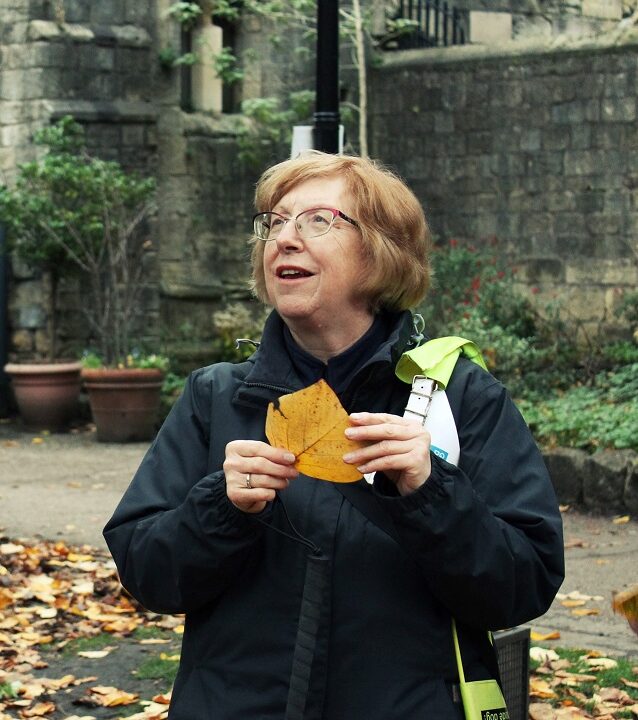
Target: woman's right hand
x: 254, y: 471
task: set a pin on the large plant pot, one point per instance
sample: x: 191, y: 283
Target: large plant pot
x: 47, y: 394
x: 124, y: 403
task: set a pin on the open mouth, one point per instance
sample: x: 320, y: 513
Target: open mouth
x: 292, y: 273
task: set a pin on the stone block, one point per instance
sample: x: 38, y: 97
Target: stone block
x: 541, y: 270
x: 605, y: 9
x: 606, y: 272
x: 490, y: 28
x: 565, y: 467
x: 604, y: 480
x: 618, y: 109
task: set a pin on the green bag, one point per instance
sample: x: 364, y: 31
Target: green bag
x: 482, y: 699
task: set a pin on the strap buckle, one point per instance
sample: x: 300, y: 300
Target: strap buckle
x: 420, y: 398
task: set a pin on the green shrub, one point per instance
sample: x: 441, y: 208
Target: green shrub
x: 573, y: 394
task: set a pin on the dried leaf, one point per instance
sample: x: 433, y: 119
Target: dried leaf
x: 622, y: 520
x: 542, y: 655
x: 541, y: 637
x: 38, y: 710
x: 95, y: 654
x: 111, y: 697
x: 572, y: 603
x: 582, y: 612
x: 575, y: 543
x: 601, y: 663
x: 540, y: 688
x: 629, y: 683
x: 310, y: 424
x: 541, y: 711
x: 626, y: 603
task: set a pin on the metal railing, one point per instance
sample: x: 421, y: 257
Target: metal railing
x: 433, y: 23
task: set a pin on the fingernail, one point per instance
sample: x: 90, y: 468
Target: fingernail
x: 356, y: 416
x: 289, y: 457
x: 351, y: 432
x: 348, y: 457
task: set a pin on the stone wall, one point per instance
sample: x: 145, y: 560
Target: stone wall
x: 95, y: 61
x: 537, y: 146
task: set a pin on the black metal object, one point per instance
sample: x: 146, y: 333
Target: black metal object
x: 512, y: 649
x: 4, y: 321
x: 326, y: 116
x: 436, y: 23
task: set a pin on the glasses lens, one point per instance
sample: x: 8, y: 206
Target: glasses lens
x: 267, y: 225
x: 317, y: 221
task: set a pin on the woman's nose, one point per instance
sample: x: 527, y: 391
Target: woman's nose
x: 289, y: 237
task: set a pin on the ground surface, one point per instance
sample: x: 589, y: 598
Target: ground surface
x: 65, y: 487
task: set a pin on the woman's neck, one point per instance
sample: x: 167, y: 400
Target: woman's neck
x: 331, y: 340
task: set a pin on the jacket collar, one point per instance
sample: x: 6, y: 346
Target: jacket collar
x: 272, y: 374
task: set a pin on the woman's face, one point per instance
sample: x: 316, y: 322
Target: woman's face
x: 314, y: 282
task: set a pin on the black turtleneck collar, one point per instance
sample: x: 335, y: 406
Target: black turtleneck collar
x: 339, y: 370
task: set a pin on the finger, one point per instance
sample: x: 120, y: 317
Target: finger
x: 368, y: 418
x: 256, y: 448
x: 419, y: 447
x: 387, y: 430
x: 262, y: 482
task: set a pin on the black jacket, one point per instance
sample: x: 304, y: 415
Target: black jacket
x: 481, y: 542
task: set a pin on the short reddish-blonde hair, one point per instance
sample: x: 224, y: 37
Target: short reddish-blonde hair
x: 396, y: 240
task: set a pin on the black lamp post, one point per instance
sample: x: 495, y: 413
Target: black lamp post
x: 326, y: 117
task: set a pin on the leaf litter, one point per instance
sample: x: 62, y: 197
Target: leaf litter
x: 52, y: 594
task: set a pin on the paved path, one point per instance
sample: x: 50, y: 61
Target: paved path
x: 66, y: 486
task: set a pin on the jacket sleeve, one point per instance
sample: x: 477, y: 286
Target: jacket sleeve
x: 175, y: 537
x: 488, y: 534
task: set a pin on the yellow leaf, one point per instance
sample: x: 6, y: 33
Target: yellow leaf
x: 540, y: 688
x: 37, y: 441
x: 310, y: 424
x: 572, y: 603
x: 622, y: 520
x: 540, y: 637
x: 170, y: 658
x: 626, y: 603
x: 582, y: 612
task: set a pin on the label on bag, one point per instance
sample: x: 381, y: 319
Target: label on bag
x: 496, y: 714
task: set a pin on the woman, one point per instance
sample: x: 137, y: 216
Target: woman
x: 299, y: 603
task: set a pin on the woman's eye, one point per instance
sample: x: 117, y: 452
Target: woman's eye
x: 320, y: 219
x: 276, y: 222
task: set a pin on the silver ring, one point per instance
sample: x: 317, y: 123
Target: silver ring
x: 248, y: 485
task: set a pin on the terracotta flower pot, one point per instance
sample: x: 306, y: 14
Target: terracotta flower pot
x: 124, y: 402
x: 47, y: 394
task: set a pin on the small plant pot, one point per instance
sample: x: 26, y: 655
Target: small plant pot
x: 47, y: 394
x: 124, y: 402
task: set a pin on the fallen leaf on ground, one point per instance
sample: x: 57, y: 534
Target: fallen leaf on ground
x: 629, y: 683
x: 541, y: 711
x: 622, y: 520
x: 540, y: 688
x: 575, y: 543
x: 540, y: 637
x: 601, y: 663
x: 626, y: 603
x: 582, y: 612
x: 107, y: 696
x: 573, y: 603
x: 96, y: 654
x: 310, y: 424
x: 541, y: 655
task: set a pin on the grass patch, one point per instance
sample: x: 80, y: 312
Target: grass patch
x: 152, y: 633
x: 97, y: 642
x: 605, y: 678
x: 158, y: 668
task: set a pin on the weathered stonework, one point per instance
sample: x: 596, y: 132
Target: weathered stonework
x: 534, y: 144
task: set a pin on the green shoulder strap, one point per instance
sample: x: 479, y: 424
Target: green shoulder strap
x: 436, y: 359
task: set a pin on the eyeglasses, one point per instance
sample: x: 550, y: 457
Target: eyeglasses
x: 309, y: 223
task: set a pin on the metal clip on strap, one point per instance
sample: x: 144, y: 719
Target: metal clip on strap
x: 420, y: 398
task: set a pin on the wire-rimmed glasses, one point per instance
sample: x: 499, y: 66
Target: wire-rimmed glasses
x: 310, y: 223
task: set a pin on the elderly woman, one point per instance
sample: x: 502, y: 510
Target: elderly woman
x: 299, y: 603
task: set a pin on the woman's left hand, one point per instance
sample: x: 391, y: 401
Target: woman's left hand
x: 400, y: 448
